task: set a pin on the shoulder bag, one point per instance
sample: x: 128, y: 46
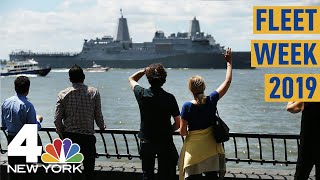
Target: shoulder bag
x: 220, y: 129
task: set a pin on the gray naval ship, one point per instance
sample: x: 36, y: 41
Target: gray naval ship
x: 191, y: 49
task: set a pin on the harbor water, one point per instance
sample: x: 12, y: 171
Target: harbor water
x: 243, y: 107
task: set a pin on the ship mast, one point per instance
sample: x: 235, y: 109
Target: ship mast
x: 194, y: 27
x: 123, y: 30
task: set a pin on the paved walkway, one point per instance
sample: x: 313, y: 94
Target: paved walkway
x: 132, y: 171
x: 232, y: 173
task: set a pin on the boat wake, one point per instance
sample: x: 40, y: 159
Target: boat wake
x: 60, y: 70
x: 17, y: 75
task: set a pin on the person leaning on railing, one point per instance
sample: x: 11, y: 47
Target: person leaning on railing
x: 16, y: 112
x: 77, y: 108
x: 200, y: 153
x: 309, y: 149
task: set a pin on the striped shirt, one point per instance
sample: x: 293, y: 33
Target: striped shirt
x: 77, y: 108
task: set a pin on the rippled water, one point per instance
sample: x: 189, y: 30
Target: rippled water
x: 243, y: 107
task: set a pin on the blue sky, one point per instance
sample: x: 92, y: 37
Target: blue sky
x: 61, y: 25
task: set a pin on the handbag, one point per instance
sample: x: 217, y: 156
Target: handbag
x: 220, y: 129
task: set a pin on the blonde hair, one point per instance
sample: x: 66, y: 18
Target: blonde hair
x: 197, y: 86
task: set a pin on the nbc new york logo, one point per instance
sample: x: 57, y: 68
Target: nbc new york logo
x: 60, y: 156
x: 62, y: 152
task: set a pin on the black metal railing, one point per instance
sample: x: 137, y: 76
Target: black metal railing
x: 242, y: 147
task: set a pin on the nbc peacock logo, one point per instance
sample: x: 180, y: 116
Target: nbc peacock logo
x: 62, y: 152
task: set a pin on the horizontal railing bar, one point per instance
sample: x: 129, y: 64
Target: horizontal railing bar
x: 246, y: 136
x: 260, y: 161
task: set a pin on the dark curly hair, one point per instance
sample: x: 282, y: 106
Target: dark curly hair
x: 22, y: 84
x: 76, y: 74
x: 156, y: 75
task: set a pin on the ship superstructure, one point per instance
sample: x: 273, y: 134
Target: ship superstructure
x: 191, y: 49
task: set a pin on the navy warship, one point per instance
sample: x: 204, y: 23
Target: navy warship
x: 191, y: 49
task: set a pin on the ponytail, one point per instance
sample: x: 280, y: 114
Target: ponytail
x: 200, y: 98
x: 197, y: 87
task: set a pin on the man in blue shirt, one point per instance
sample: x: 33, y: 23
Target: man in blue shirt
x: 18, y: 111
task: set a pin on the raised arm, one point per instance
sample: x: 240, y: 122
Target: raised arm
x: 223, y: 88
x: 295, y: 107
x: 134, y: 78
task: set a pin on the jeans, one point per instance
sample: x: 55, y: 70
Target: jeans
x: 87, y: 145
x: 167, y: 160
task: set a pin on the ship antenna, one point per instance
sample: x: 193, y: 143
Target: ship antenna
x: 121, y: 12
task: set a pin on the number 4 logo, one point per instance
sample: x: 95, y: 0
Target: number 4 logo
x: 31, y: 151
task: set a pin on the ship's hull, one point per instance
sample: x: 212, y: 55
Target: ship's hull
x: 241, y: 60
x: 40, y: 72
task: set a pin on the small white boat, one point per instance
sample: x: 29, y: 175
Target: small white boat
x: 97, y: 68
x: 29, y: 66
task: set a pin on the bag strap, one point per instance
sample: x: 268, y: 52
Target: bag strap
x: 215, y: 120
x: 217, y: 113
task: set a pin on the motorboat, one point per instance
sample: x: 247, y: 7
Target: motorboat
x: 97, y: 68
x: 29, y: 66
